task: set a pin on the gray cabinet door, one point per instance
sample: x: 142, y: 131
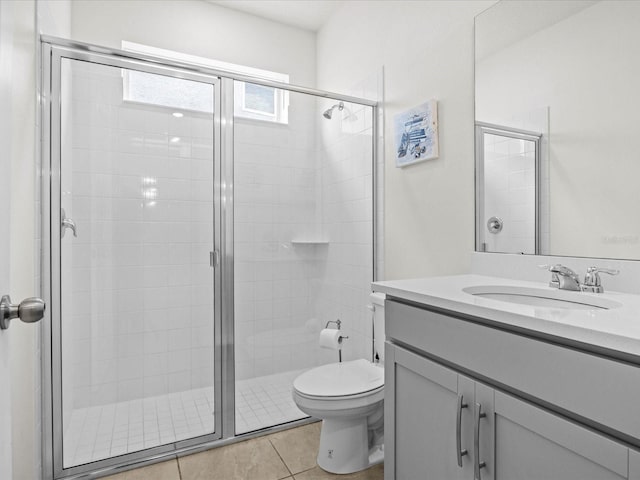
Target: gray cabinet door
x: 634, y: 465
x: 534, y: 444
x: 423, y: 405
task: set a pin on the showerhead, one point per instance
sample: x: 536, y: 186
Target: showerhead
x: 328, y: 113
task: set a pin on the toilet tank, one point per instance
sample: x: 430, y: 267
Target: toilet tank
x: 377, y: 307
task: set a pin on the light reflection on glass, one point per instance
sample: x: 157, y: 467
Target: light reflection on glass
x: 149, y: 190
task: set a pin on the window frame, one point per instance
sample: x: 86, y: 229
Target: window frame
x: 281, y: 96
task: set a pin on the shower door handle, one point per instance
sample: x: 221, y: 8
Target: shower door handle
x: 66, y: 223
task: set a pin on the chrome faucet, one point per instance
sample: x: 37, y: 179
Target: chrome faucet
x: 567, y: 278
x: 564, y: 278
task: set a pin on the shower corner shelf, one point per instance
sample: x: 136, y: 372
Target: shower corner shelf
x: 309, y: 241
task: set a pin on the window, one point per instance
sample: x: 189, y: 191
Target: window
x: 261, y: 103
x: 165, y: 91
x: 257, y: 102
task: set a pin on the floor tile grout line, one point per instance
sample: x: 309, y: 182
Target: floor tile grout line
x: 179, y: 469
x: 280, y: 456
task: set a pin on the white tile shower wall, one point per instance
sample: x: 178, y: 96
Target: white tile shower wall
x: 509, y: 178
x: 537, y: 120
x: 140, y: 317
x: 347, y: 218
x: 303, y: 236
x: 275, y: 197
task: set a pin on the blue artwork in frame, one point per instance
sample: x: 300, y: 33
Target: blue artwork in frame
x: 416, y: 134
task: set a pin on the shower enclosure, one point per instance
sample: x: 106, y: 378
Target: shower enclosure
x: 200, y: 229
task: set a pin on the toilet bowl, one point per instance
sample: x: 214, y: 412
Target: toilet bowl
x: 348, y: 397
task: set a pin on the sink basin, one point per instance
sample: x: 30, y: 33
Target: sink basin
x: 539, y: 297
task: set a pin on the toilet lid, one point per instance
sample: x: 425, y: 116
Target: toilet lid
x: 340, y: 379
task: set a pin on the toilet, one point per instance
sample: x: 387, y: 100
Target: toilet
x: 349, y: 398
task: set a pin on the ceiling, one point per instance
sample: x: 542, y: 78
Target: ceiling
x: 306, y: 14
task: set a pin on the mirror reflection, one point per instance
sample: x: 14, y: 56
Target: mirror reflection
x: 557, y: 102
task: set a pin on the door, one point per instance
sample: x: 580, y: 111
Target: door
x: 634, y: 465
x: 5, y: 196
x: 534, y: 443
x: 507, y: 190
x: 135, y: 313
x: 431, y: 407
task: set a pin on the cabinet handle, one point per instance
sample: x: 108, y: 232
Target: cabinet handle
x: 476, y: 443
x: 460, y: 452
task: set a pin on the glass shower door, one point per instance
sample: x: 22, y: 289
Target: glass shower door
x: 508, y: 190
x: 136, y: 314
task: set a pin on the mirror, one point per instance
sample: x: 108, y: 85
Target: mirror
x: 557, y: 88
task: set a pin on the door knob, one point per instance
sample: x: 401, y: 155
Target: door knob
x: 30, y: 310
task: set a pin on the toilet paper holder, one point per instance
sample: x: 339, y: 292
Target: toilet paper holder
x: 338, y: 323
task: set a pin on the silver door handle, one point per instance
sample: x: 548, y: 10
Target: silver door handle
x: 477, y: 465
x: 66, y: 223
x: 460, y: 452
x: 30, y: 310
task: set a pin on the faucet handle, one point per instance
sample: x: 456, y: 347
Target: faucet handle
x: 562, y: 270
x: 592, y: 281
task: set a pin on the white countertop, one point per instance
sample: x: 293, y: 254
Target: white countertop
x: 616, y: 329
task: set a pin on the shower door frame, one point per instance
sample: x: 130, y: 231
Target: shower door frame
x: 53, y: 48
x: 482, y: 129
x: 52, y: 444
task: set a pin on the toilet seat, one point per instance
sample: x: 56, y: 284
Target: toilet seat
x: 353, y: 379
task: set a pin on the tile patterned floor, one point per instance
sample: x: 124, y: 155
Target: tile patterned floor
x: 104, y: 431
x: 290, y: 455
x: 265, y: 401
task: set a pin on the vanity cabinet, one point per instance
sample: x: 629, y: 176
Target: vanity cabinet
x: 533, y: 443
x: 634, y: 465
x: 424, y: 418
x: 519, y: 436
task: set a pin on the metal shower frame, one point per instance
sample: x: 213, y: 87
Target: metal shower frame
x: 53, y: 50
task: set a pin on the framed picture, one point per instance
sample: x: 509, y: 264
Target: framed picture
x: 416, y: 134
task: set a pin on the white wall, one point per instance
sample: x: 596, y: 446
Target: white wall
x: 198, y: 28
x: 426, y: 49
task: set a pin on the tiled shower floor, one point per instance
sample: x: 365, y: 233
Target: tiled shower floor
x: 265, y: 401
x: 104, y: 431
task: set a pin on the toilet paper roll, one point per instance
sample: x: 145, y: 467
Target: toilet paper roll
x: 330, y: 338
